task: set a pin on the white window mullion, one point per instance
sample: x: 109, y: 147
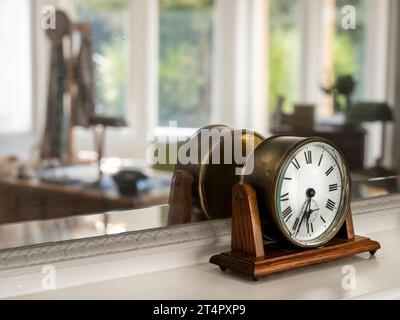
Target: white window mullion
x: 375, y: 75
x: 377, y: 43
x: 143, y: 66
x: 223, y: 100
x: 241, y: 64
x: 15, y: 66
x: 312, y: 30
x: 258, y: 77
x: 240, y: 74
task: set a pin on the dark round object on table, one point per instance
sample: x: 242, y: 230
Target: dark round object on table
x: 127, y: 181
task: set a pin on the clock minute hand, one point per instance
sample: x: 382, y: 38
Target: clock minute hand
x: 304, y: 213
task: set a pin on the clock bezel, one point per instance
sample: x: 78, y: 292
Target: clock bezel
x: 344, y: 205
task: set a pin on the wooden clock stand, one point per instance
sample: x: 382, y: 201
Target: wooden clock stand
x: 249, y: 255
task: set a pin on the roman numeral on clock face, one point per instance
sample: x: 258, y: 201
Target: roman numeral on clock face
x: 308, y: 156
x: 333, y: 187
x: 287, y: 213
x: 320, y: 160
x: 330, y: 170
x: 296, y: 164
x: 310, y: 227
x: 330, y: 205
x: 285, y: 197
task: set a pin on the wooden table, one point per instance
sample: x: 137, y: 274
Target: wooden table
x: 24, y: 200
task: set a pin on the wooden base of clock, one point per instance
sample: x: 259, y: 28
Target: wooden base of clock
x: 251, y: 257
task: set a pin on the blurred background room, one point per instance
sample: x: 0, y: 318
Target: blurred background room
x: 86, y: 86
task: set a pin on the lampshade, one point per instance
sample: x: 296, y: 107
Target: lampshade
x: 369, y: 112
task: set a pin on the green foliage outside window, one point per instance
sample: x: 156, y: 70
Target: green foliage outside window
x: 185, y: 62
x: 107, y: 18
x: 284, y: 53
x: 284, y: 65
x: 186, y: 30
x: 349, y: 45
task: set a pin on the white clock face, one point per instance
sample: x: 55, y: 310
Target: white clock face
x: 309, y: 192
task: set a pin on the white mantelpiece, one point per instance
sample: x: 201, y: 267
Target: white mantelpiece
x: 172, y: 261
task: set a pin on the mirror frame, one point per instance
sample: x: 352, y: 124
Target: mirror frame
x: 218, y: 231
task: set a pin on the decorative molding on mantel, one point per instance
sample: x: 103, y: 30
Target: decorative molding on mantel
x: 376, y: 204
x: 205, y: 232
x: 111, y: 244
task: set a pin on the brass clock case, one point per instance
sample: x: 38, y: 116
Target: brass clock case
x: 271, y: 158
x: 217, y: 180
x: 193, y: 168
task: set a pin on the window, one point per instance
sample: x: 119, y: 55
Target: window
x: 109, y: 28
x: 185, y: 41
x: 346, y: 49
x: 172, y: 68
x: 284, y: 53
x: 349, y: 45
x: 343, y: 51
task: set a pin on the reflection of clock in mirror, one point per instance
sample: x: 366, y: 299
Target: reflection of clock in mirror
x: 308, y: 189
x: 213, y: 181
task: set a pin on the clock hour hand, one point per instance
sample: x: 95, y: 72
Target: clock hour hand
x: 310, y: 194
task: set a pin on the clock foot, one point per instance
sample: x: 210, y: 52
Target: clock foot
x: 372, y: 252
x: 223, y: 269
x: 255, y: 278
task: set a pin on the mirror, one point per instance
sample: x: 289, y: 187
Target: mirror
x: 97, y: 97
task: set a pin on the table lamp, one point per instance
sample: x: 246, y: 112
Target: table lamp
x: 100, y: 125
x: 371, y: 112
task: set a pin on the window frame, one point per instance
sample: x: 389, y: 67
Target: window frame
x: 312, y: 15
x: 240, y: 78
x: 239, y: 72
